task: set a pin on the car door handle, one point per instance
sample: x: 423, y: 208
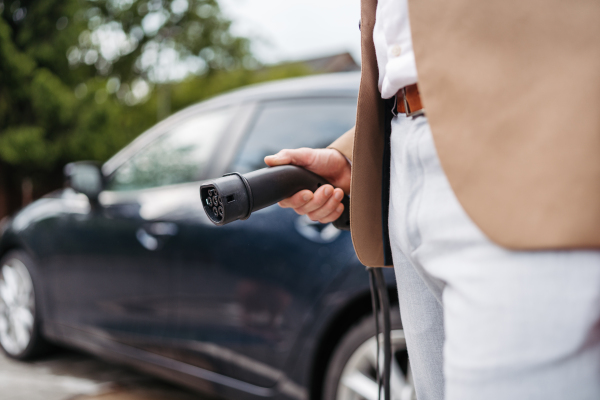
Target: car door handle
x: 316, y: 231
x: 152, y: 236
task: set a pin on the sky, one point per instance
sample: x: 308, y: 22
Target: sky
x: 283, y: 30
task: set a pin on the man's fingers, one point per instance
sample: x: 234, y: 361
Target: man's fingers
x: 324, y: 205
x: 320, y: 197
x: 280, y: 158
x: 334, y: 215
x: 328, y: 207
x: 301, y: 157
x: 297, y: 200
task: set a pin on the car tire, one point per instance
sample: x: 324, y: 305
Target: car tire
x: 20, y: 321
x: 351, y: 373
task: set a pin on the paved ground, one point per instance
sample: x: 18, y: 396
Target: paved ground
x: 73, y: 376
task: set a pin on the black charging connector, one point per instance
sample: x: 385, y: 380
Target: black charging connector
x: 235, y: 196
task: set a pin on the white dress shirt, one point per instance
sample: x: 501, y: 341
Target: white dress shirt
x: 393, y: 47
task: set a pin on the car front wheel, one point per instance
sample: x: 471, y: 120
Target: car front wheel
x: 351, y: 374
x: 19, y: 317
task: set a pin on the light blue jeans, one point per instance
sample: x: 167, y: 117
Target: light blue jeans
x: 483, y: 322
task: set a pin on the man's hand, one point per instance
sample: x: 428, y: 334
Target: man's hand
x: 324, y: 205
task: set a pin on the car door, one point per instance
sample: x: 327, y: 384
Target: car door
x: 243, y: 289
x: 120, y: 278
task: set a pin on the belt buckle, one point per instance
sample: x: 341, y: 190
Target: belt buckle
x: 407, y: 108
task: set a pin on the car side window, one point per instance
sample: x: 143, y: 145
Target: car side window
x: 177, y: 156
x: 290, y: 124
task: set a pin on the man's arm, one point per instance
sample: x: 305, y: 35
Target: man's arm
x: 344, y: 144
x: 333, y: 164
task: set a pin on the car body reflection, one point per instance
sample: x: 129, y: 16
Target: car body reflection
x: 249, y: 310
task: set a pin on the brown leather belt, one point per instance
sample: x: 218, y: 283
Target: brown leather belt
x: 408, y: 101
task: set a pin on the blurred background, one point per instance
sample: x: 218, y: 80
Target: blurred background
x: 79, y: 79
x: 121, y: 261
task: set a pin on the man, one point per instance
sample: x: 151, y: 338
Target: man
x: 495, y: 254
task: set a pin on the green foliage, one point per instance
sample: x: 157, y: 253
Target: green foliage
x: 78, y: 78
x: 52, y: 101
x: 129, y: 38
x: 26, y: 145
x: 75, y: 75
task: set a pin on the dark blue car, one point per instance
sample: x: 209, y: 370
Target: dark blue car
x: 273, y: 307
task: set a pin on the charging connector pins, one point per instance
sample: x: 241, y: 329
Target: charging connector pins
x: 214, y: 200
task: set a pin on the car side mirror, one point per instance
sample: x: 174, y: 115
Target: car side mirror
x: 85, y: 177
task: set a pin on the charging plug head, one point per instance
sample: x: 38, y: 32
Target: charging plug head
x: 225, y: 199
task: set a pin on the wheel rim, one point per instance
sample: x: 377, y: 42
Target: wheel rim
x: 358, y: 380
x: 17, y: 307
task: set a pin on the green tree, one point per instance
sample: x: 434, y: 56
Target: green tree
x: 75, y: 77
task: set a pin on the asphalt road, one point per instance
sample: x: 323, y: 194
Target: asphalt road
x: 68, y: 375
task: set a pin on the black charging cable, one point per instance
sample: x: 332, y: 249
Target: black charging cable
x: 375, y: 306
x: 381, y: 305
